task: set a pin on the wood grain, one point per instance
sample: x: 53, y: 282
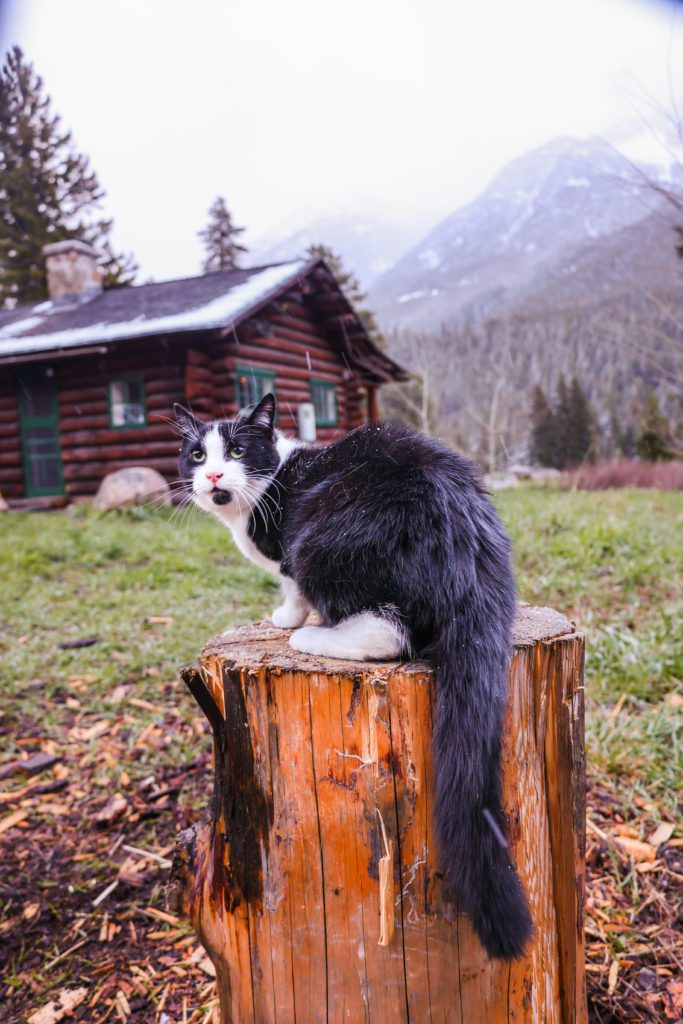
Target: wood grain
x: 315, y: 761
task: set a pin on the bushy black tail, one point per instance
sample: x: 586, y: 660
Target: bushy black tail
x: 471, y: 694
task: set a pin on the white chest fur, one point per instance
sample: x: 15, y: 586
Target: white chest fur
x: 240, y: 535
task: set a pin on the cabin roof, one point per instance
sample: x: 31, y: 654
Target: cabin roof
x: 213, y: 301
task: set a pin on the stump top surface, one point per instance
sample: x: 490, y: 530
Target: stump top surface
x: 263, y: 643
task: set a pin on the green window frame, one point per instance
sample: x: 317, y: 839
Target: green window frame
x: 252, y: 384
x: 127, y: 403
x: 324, y: 398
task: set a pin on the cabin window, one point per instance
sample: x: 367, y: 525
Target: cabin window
x: 127, y: 402
x: 253, y: 385
x: 324, y: 398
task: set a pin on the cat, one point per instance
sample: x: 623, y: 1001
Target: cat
x: 389, y: 536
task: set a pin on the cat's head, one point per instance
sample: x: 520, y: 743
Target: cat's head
x: 228, y: 463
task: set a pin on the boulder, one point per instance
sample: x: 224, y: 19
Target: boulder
x: 134, y: 486
x: 500, y: 481
x: 521, y: 471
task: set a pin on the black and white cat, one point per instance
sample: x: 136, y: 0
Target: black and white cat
x: 389, y: 536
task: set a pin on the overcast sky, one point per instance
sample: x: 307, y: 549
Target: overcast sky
x: 293, y: 107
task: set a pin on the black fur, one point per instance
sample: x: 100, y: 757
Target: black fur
x: 388, y: 519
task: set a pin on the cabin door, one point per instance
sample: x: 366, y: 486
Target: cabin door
x: 39, y: 418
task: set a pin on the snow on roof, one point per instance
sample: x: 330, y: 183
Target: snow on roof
x: 216, y: 300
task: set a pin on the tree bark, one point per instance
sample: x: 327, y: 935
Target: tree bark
x: 313, y: 881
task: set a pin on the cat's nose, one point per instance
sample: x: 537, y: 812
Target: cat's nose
x: 214, y: 477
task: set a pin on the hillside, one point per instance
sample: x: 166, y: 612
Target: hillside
x: 548, y: 216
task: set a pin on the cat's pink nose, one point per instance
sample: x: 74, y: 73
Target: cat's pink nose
x: 214, y: 477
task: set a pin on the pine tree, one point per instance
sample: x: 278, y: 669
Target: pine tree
x: 220, y: 238
x: 653, y: 440
x: 351, y: 287
x: 543, y: 447
x: 563, y: 424
x: 47, y: 191
x: 581, y: 428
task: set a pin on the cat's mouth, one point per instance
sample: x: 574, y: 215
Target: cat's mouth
x: 220, y: 497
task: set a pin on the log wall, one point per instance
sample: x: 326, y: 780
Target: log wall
x: 11, y: 466
x: 296, y: 349
x: 91, y: 447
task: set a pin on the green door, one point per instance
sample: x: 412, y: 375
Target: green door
x: 39, y: 417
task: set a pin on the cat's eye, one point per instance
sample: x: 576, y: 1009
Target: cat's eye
x: 236, y: 452
x: 198, y: 455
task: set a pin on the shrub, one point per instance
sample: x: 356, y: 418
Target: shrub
x: 664, y: 476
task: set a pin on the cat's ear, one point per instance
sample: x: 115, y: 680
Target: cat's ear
x: 264, y: 413
x: 187, y: 421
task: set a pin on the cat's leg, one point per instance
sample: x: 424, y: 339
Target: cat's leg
x: 358, y: 638
x: 294, y: 610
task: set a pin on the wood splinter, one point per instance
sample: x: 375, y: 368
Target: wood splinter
x: 386, y: 888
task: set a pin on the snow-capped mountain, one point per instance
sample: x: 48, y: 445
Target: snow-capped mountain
x: 367, y: 242
x: 543, y: 212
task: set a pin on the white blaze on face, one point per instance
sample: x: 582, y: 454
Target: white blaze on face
x: 231, y: 475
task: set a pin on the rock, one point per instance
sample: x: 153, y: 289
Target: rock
x: 500, y: 481
x: 134, y: 486
x: 545, y: 473
x: 520, y: 471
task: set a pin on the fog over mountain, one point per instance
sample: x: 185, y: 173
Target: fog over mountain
x: 536, y: 227
x: 369, y: 243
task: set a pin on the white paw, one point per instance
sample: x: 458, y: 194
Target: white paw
x: 289, y: 616
x: 308, y: 640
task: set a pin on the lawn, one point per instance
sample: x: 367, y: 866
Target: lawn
x: 149, y: 588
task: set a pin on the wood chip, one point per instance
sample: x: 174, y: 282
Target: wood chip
x: 645, y: 867
x: 30, y: 911
x: 662, y: 833
x: 207, y: 966
x: 635, y: 848
x: 160, y: 915
x: 105, y: 892
x: 612, y: 977
x: 147, y: 705
x: 37, y: 763
x: 13, y: 819
x: 113, y: 809
x: 56, y: 1010
x: 148, y: 855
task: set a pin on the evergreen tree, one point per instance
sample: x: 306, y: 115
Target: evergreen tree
x: 563, y: 426
x: 351, y: 287
x: 581, y: 426
x: 543, y: 447
x: 47, y: 191
x: 220, y: 238
x: 653, y: 440
x: 619, y: 439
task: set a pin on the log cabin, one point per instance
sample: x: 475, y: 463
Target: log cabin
x: 88, y: 378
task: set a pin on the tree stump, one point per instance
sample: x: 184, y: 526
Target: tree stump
x: 313, y: 882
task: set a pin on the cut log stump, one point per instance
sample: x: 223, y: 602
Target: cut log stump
x: 314, y: 882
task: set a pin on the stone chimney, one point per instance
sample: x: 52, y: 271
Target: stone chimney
x: 72, y: 270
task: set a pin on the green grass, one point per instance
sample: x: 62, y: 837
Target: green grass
x: 612, y: 561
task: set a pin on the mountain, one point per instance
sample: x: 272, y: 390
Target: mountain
x: 539, y: 221
x: 368, y: 243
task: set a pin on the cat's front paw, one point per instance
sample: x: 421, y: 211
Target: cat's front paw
x: 289, y: 616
